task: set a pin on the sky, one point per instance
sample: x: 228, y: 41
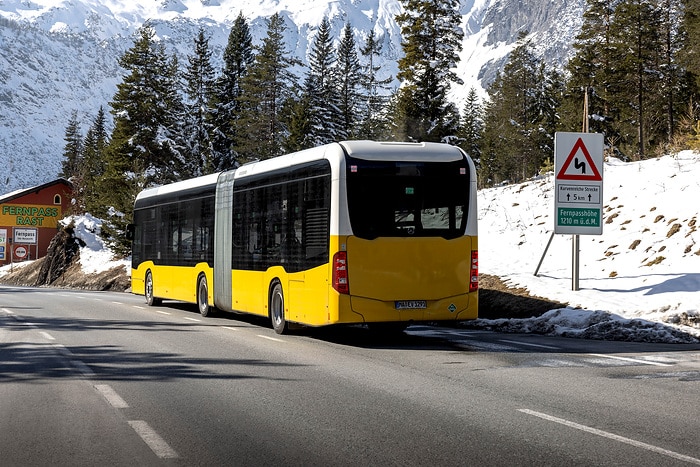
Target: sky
x: 638, y: 281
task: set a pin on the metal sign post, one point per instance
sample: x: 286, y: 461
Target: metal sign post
x: 578, y: 189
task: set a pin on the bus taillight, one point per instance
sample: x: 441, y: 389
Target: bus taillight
x: 474, y: 273
x: 340, y: 272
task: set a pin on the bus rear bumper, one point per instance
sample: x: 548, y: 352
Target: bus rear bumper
x: 460, y: 307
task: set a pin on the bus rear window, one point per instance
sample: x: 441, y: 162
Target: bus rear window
x: 407, y: 199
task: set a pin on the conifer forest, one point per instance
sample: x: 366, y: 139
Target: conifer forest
x: 634, y: 76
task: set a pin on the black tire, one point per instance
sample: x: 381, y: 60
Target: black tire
x: 279, y: 323
x: 151, y: 300
x: 203, y: 297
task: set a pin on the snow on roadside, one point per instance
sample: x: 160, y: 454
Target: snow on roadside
x: 643, y: 271
x: 95, y: 256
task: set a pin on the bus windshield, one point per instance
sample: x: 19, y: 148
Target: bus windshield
x: 407, y: 199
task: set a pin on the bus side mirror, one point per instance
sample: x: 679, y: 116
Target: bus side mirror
x: 130, y: 229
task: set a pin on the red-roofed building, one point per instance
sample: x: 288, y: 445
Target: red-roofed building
x: 29, y: 219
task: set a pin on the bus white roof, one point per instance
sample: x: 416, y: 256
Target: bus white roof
x: 367, y: 150
x: 179, y: 186
x: 395, y: 151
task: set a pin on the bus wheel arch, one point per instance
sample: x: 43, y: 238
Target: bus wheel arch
x: 276, y: 307
x: 202, y: 293
x: 151, y: 299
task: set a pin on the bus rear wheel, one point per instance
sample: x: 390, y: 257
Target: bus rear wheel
x: 279, y: 323
x: 151, y: 300
x: 203, y: 297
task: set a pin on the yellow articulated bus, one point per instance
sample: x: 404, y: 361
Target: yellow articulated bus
x: 350, y: 232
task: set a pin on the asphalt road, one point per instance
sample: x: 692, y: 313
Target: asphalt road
x: 92, y: 378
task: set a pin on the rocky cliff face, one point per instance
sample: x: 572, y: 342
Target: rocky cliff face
x: 551, y: 26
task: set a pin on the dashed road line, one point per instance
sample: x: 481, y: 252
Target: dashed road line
x: 47, y: 335
x: 633, y: 360
x: 230, y: 328
x: 163, y: 312
x: 193, y: 319
x: 270, y: 338
x: 470, y: 343
x: 613, y: 436
x: 528, y: 344
x: 112, y: 397
x: 157, y: 444
x: 83, y: 369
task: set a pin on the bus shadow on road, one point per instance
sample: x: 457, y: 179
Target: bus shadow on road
x: 378, y: 338
x: 30, y: 358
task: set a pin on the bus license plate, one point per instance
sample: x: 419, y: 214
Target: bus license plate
x: 411, y: 304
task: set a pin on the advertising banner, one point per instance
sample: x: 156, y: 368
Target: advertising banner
x: 29, y: 215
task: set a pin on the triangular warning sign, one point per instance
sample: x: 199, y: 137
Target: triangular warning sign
x: 580, y: 171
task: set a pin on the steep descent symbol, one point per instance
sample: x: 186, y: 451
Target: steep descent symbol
x: 579, y: 166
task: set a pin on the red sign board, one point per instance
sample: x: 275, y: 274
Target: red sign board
x: 21, y: 251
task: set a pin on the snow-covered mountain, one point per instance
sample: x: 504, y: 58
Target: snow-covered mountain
x: 60, y: 56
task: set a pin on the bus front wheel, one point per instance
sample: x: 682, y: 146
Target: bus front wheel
x: 279, y: 323
x: 203, y: 297
x: 151, y: 300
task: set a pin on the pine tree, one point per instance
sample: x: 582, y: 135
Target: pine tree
x: 143, y: 150
x: 472, y: 126
x: 348, y: 71
x: 590, y: 71
x: 432, y: 40
x: 199, y: 77
x: 630, y: 61
x: 375, y: 97
x: 690, y: 54
x: 296, y: 118
x: 72, y: 151
x: 238, y: 58
x: 320, y: 89
x: 636, y: 43
x: 520, y: 117
x: 143, y: 109
x: 266, y: 89
x: 93, y: 167
x: 675, y: 87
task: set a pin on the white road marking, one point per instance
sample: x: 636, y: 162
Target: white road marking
x: 83, y: 368
x: 539, y: 346
x: 163, y: 312
x: 613, y: 436
x: 486, y: 345
x: 153, y: 440
x: 47, y: 335
x: 77, y: 364
x: 5, y: 310
x: 63, y: 350
x: 633, y: 360
x: 270, y: 338
x: 139, y: 307
x: 230, y: 328
x: 193, y: 319
x: 112, y: 397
